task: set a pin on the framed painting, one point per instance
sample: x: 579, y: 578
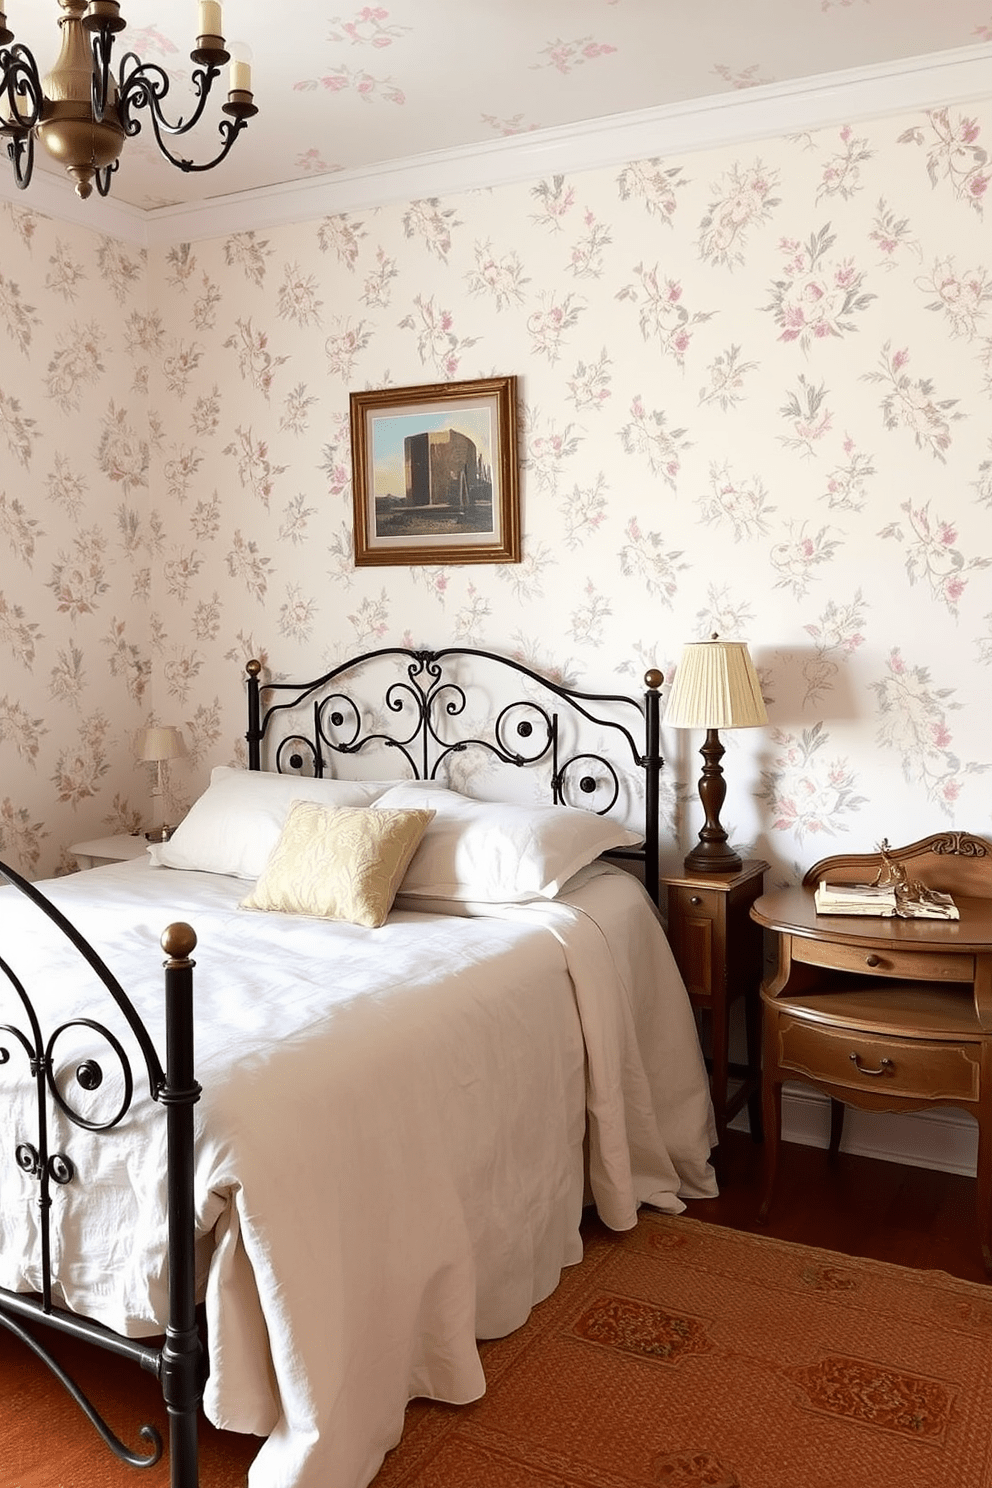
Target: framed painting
x: 434, y: 473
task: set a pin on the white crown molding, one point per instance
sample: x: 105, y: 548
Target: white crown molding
x: 953, y: 77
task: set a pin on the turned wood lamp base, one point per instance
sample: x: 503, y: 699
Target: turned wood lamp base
x: 712, y: 854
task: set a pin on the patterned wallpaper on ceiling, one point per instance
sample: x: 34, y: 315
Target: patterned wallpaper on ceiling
x: 756, y: 386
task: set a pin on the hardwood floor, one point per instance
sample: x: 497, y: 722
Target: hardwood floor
x: 855, y: 1205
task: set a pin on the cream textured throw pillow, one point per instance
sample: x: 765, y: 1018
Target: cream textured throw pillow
x: 343, y: 863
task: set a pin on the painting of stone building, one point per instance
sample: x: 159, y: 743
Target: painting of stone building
x: 443, y: 468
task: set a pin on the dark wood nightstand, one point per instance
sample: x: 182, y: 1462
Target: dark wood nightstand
x: 718, y: 949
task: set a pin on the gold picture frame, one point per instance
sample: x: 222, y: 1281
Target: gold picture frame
x: 435, y: 473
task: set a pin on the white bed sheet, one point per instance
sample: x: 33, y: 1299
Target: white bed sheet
x: 390, y: 1140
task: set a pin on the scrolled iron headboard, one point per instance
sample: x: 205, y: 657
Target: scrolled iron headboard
x: 311, y: 727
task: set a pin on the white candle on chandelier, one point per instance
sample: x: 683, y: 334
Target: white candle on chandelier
x: 240, y: 76
x: 211, y: 23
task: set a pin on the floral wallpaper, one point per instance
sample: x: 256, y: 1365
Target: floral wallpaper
x: 756, y: 398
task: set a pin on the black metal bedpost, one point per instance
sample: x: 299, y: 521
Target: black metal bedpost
x: 652, y: 764
x: 181, y: 1359
x: 254, y: 734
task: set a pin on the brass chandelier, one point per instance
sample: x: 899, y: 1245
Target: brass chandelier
x: 82, y: 116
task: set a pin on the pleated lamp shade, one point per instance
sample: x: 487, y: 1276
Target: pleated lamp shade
x: 716, y: 686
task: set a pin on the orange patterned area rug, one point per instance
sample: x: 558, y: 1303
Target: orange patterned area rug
x: 693, y: 1356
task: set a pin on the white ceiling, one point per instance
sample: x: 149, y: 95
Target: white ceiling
x: 345, y: 87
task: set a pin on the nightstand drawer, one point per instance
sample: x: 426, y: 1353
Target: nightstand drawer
x: 913, y: 1068
x: 926, y: 966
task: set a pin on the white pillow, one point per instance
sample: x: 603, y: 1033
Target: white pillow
x: 236, y: 823
x: 491, y: 852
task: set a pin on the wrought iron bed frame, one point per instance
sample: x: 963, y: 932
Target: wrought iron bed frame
x: 523, y: 733
x: 431, y: 693
x: 178, y: 1362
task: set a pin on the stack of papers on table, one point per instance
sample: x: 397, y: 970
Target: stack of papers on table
x: 854, y: 898
x: 881, y: 900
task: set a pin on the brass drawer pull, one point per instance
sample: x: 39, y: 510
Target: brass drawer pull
x: 884, y: 1064
x: 872, y: 960
x: 695, y: 899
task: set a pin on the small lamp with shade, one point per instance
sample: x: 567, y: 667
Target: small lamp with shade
x: 715, y: 687
x: 157, y: 746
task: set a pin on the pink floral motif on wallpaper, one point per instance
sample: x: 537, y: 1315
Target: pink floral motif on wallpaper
x: 20, y: 838
x: 932, y: 556
x: 586, y: 622
x: 586, y: 258
x: 345, y: 344
x: 796, y: 558
x: 299, y: 297
x: 556, y: 198
x: 644, y: 557
x: 726, y: 373
x: 18, y: 634
x: 546, y: 454
x: 18, y: 527
x: 17, y: 428
x: 961, y: 297
x: 255, y: 471
x: 79, y: 768
x: 837, y: 634
x: 661, y: 314
x: 654, y: 184
x: 914, y: 725
x: 745, y: 199
x: 585, y: 511
x: 66, y: 273
x: 815, y: 297
x: 245, y: 562
x: 369, y: 26
x: 342, y: 235
x: 841, y: 175
x: 341, y: 79
x: 891, y: 234
x: 742, y: 77
x: 739, y: 503
x: 515, y: 124
x: 806, y: 793
x: 806, y: 411
x: 437, y: 344
x: 256, y: 363
x: 20, y: 730
x: 566, y: 56
x: 296, y: 406
x: 376, y: 292
x: 432, y: 224
x: 846, y: 488
x: 911, y: 404
x: 548, y: 325
x: 645, y: 434
x: 246, y: 251
x: 589, y: 388
x: 20, y: 319
x: 500, y: 276
x: 953, y: 154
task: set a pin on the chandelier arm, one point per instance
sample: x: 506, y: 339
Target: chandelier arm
x: 20, y: 151
x: 20, y: 80
x: 147, y: 84
x: 103, y: 178
x: 228, y: 131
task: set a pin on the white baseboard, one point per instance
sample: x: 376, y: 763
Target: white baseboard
x: 945, y: 1138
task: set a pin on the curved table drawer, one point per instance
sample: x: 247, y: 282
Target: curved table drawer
x: 913, y: 1068
x: 927, y: 966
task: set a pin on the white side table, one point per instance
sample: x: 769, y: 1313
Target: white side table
x: 108, y: 850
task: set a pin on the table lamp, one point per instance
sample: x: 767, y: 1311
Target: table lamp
x: 715, y: 687
x: 158, y: 746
